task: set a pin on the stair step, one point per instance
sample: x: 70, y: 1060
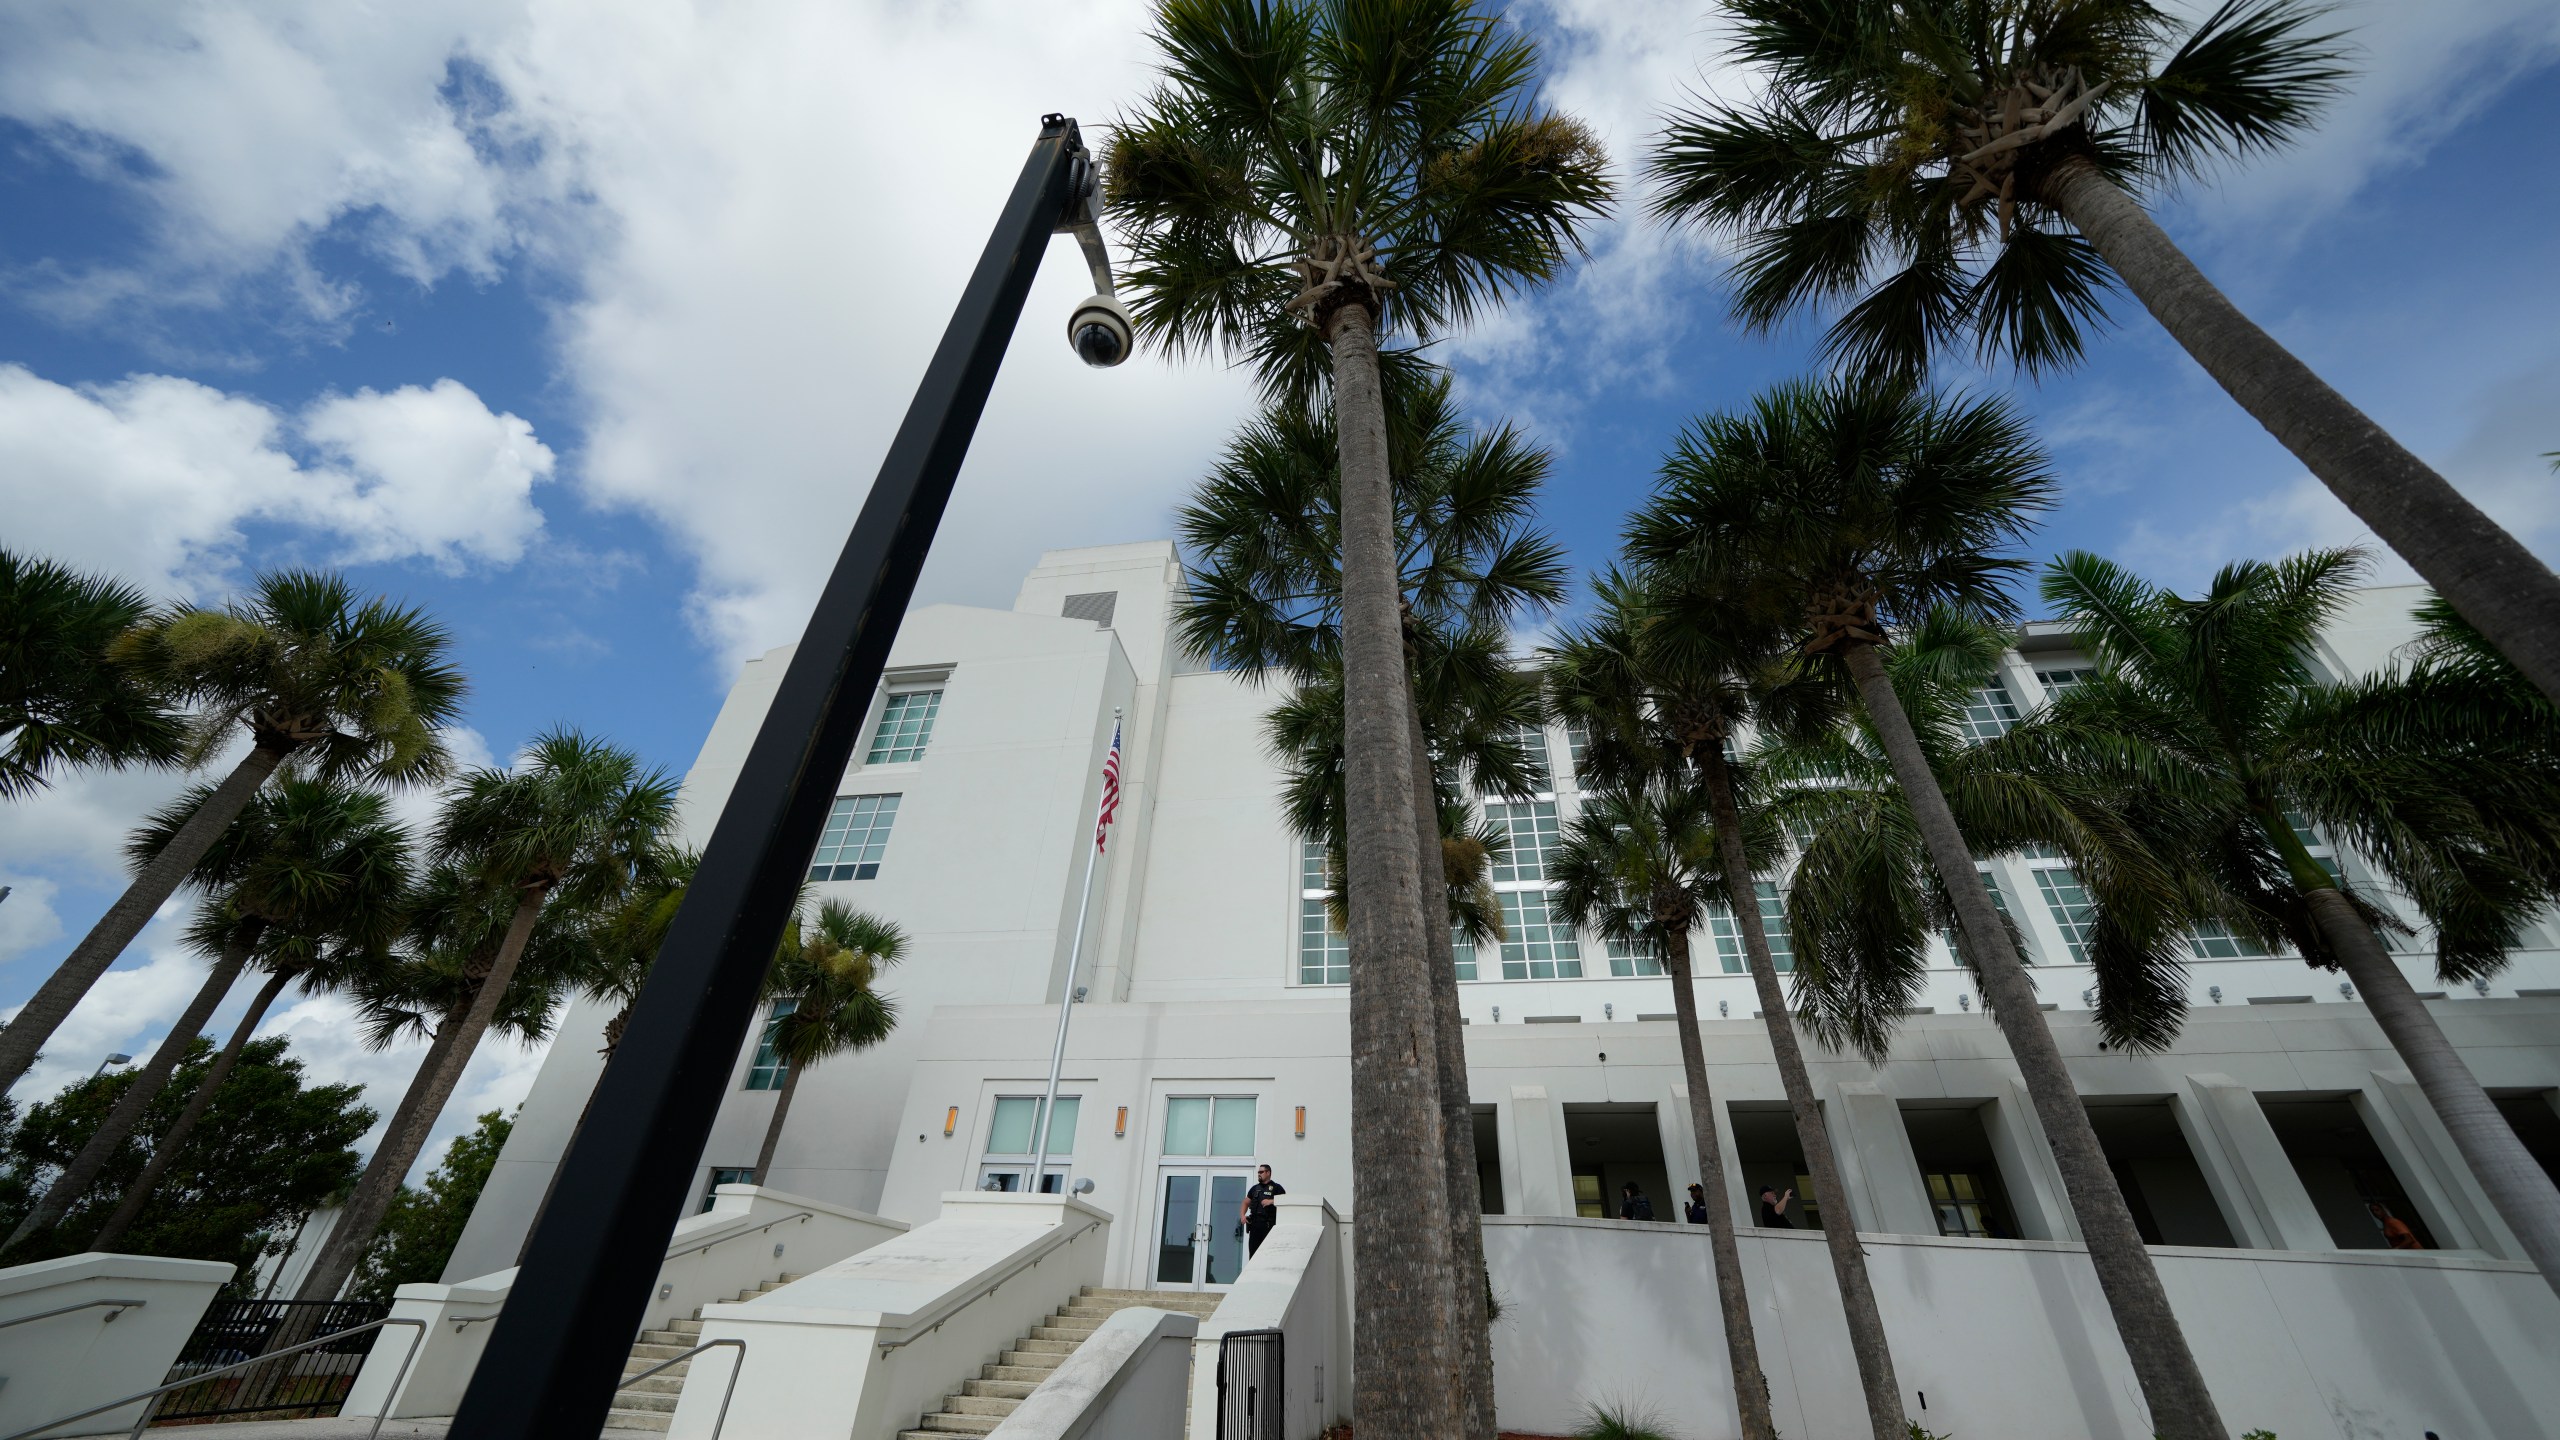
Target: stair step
x: 944, y: 1422
x: 656, y: 1353
x: 665, y: 1382
x: 689, y: 1328
x: 664, y: 1403
x: 1033, y: 1345
x: 1007, y: 1370
x: 681, y: 1339
x: 1073, y: 1334
x: 619, y: 1419
x: 993, y: 1405
x: 1000, y: 1389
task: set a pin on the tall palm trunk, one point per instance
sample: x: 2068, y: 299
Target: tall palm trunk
x: 773, y: 1128
x: 2181, y: 1407
x: 1408, y: 1381
x: 148, y: 1082
x: 2492, y: 579
x: 166, y: 1149
x: 55, y: 999
x: 1457, y: 1109
x: 1840, y: 1229
x: 1741, y: 1339
x: 2516, y: 1184
x: 451, y: 1050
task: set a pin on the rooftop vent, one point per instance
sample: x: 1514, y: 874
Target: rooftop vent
x: 1096, y: 607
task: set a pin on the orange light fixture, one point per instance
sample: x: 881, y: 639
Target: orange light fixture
x: 1120, y: 1127
x: 1302, y: 1122
x: 950, y: 1121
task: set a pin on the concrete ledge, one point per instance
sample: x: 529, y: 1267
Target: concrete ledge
x: 65, y: 1363
x: 1125, y: 1382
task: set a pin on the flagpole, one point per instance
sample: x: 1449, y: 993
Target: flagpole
x: 1067, y: 1001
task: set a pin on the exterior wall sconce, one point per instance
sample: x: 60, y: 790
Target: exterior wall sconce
x: 950, y: 1121
x: 1302, y: 1122
x: 1608, y: 1012
x: 1724, y: 1008
x: 1964, y: 1001
x: 2215, y: 991
x: 2482, y: 986
x: 1120, y: 1126
x: 2089, y: 998
x: 2346, y: 991
x: 1497, y: 1014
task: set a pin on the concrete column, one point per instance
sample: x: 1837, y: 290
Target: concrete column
x: 1533, y: 1131
x: 2026, y: 1165
x: 1877, y: 1167
x: 2252, y: 1178
x: 2406, y: 1127
x: 1680, y: 1148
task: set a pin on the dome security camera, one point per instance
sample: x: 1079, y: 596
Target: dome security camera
x: 1100, y: 331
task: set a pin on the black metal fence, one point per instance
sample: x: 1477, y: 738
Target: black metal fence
x: 1251, y: 1384
x: 312, y: 1383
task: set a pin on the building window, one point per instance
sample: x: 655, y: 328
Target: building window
x: 1533, y: 743
x: 2074, y: 913
x: 906, y: 724
x: 1989, y: 712
x: 1462, y: 949
x: 1962, y: 1203
x: 2057, y: 681
x: 1773, y: 927
x: 857, y: 831
x: 1010, y: 1133
x: 2319, y: 847
x: 1203, y: 1125
x: 1324, y: 953
x: 2216, y: 942
x: 1535, y: 946
x: 1626, y: 959
x: 1534, y: 835
x: 726, y: 1175
x: 770, y: 1070
x: 1577, y: 743
x: 1999, y: 902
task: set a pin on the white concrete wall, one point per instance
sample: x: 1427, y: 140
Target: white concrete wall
x: 1127, y: 1381
x: 1293, y: 1284
x: 64, y: 1364
x: 2010, y: 1340
x: 946, y: 1296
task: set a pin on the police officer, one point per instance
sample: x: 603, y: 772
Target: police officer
x: 1261, y: 1208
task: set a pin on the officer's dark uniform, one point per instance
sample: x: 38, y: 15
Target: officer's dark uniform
x: 1259, y: 1218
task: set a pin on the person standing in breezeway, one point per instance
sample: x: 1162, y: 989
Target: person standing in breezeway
x: 1261, y: 1208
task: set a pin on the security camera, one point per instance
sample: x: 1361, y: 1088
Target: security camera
x: 1100, y: 331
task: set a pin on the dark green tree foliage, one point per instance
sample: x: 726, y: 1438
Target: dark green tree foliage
x: 63, y: 701
x: 419, y: 1232
x: 286, y: 1149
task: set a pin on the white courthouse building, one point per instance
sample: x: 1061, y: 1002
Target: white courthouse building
x: 1212, y: 1035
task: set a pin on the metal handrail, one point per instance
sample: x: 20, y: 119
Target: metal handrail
x: 121, y: 1306
x: 156, y: 1391
x: 947, y: 1310
x: 705, y: 1249
x: 630, y: 1380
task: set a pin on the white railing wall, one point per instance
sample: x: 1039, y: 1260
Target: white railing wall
x: 1130, y: 1380
x: 94, y: 1351
x: 2011, y: 1339
x: 748, y: 1236
x: 1293, y: 1284
x: 864, y: 1347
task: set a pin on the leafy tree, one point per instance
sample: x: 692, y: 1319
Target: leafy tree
x: 1642, y: 865
x: 1304, y: 179
x: 64, y: 700
x: 334, y: 688
x: 828, y: 975
x: 287, y: 1149
x: 2446, y: 783
x: 577, y: 819
x: 1952, y: 167
x: 423, y: 1225
x: 1863, y: 505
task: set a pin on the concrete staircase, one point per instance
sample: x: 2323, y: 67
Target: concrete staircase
x: 651, y: 1404
x: 982, y: 1402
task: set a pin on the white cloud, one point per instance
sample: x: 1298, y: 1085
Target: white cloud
x: 152, y: 478
x: 327, y: 1038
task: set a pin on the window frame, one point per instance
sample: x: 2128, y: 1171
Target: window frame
x: 882, y: 720
x: 834, y: 837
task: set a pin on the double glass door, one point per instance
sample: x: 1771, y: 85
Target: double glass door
x: 1200, y: 1239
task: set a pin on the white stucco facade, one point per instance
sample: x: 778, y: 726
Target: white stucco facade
x: 2278, y: 1110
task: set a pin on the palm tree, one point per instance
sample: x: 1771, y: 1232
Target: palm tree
x: 827, y: 974
x: 1642, y: 865
x: 282, y: 862
x: 1664, y: 675
x: 334, y: 688
x: 1862, y: 504
x: 578, y: 820
x: 63, y: 701
x: 1265, y: 595
x: 1981, y: 166
x: 317, y: 907
x: 2449, y: 794
x: 1305, y: 179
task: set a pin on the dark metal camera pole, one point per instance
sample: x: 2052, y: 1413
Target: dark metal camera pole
x: 556, y: 1353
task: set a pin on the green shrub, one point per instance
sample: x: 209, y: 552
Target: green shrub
x: 1918, y: 1433
x: 1616, y: 1420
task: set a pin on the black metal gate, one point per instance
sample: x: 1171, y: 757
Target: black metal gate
x: 313, y: 1383
x: 1251, y: 1381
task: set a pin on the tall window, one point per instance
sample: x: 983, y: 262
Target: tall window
x: 1534, y: 832
x: 1773, y: 925
x: 906, y: 725
x: 2074, y: 913
x: 1324, y: 953
x: 1533, y: 741
x: 1989, y: 712
x: 1462, y: 949
x: 1577, y: 743
x: 2058, y: 680
x: 1535, y: 945
x: 2215, y: 941
x: 1999, y: 902
x: 770, y: 1069
x: 1011, y: 1140
x: 857, y: 831
x: 1208, y: 1125
x: 1626, y: 959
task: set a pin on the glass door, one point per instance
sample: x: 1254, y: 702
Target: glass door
x: 1200, y: 1235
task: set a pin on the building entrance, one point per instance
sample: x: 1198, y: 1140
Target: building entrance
x: 1200, y: 1242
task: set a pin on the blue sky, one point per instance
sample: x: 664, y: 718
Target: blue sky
x: 583, y: 325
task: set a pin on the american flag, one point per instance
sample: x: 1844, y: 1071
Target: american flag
x: 1110, y: 792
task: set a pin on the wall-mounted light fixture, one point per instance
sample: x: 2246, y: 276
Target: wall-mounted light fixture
x: 1964, y: 1001
x: 1608, y: 1012
x: 2215, y: 991
x: 950, y: 1121
x: 1120, y: 1127
x: 1724, y: 1008
x: 1302, y: 1122
x: 2346, y: 991
x: 2481, y: 986
x: 1497, y: 1014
